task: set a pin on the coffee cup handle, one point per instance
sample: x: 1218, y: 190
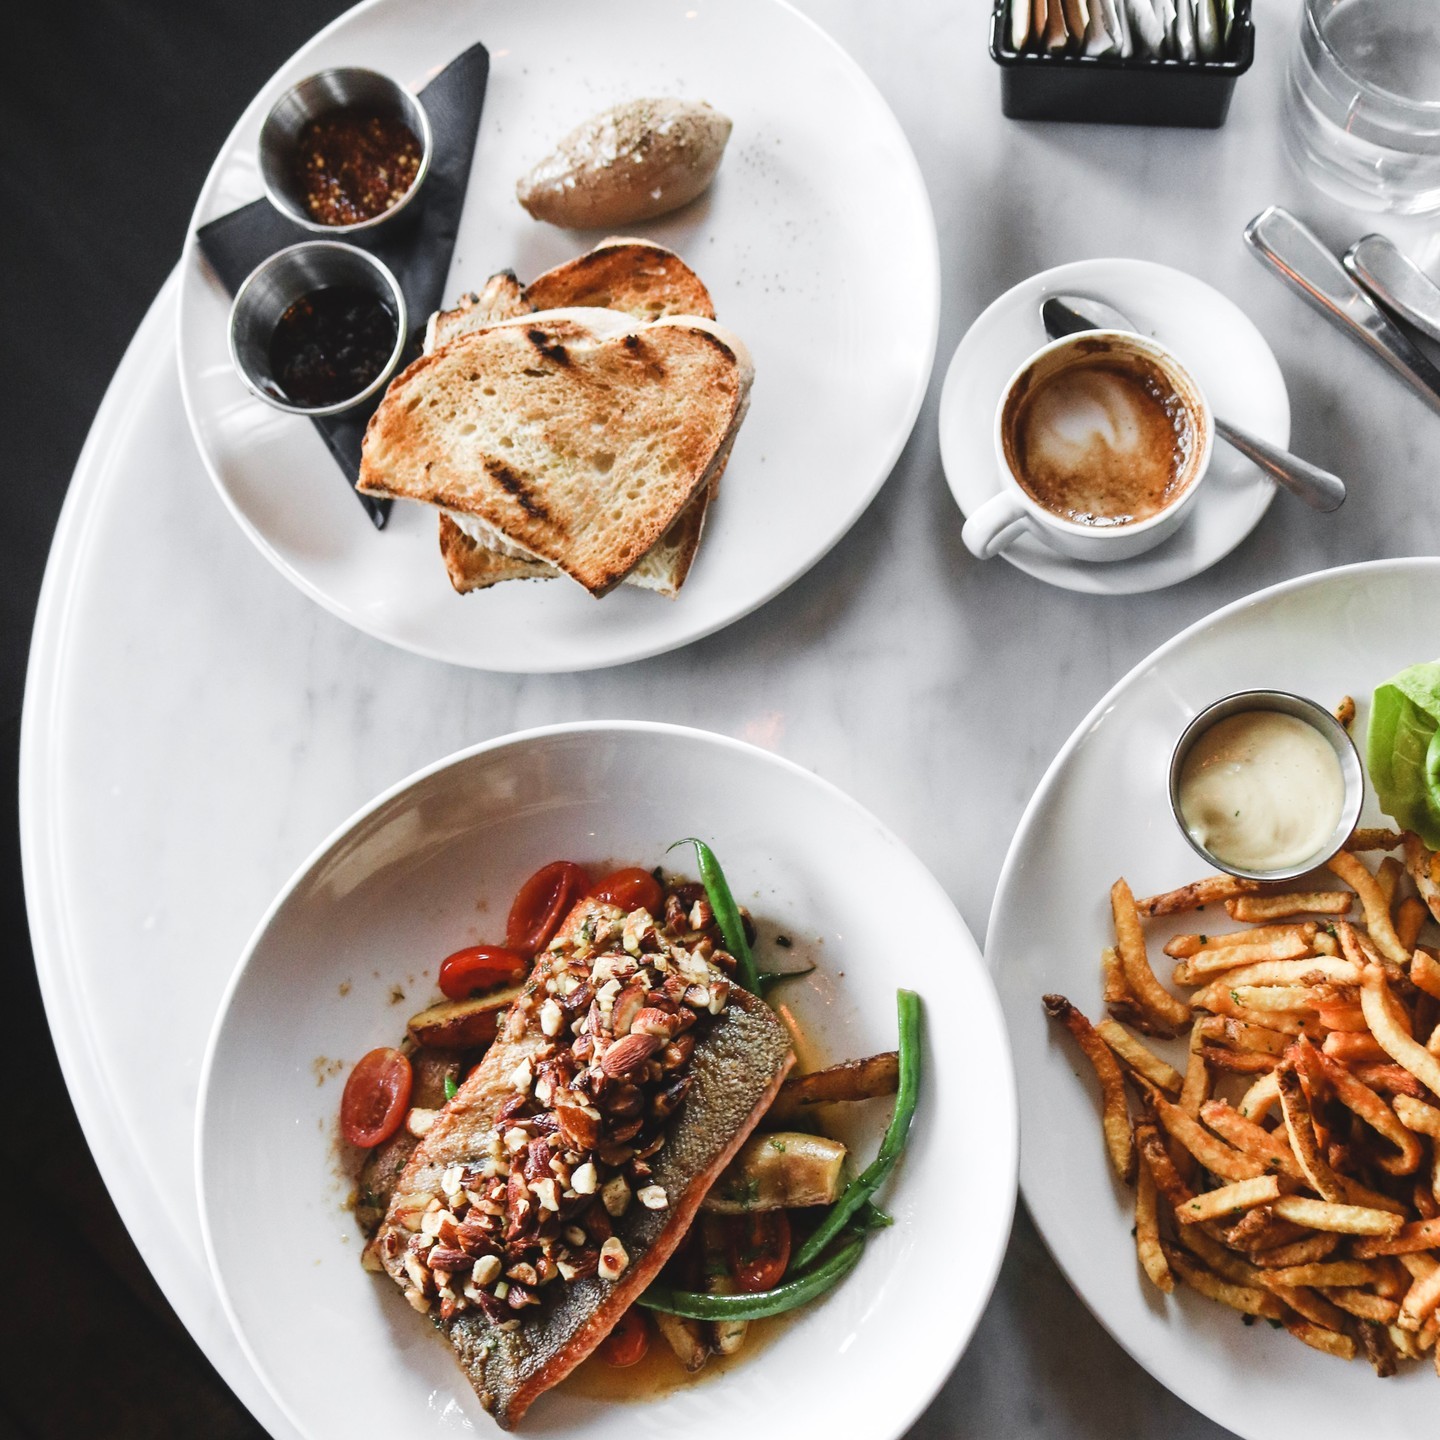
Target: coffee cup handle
x: 996, y: 525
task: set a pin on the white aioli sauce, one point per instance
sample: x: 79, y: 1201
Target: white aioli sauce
x: 1262, y: 790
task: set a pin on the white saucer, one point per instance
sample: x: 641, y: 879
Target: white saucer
x: 1224, y: 350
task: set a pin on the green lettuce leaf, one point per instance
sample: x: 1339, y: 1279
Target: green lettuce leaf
x: 1403, y: 750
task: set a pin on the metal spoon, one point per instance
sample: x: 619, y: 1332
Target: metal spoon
x: 1070, y: 314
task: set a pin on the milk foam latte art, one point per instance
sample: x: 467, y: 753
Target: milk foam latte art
x: 1100, y: 435
x: 1102, y: 440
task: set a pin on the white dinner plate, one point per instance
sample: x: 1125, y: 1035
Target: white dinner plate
x: 819, y: 207
x: 1102, y: 812
x: 1213, y: 337
x: 431, y: 866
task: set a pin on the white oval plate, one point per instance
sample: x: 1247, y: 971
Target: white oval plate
x: 819, y: 207
x: 1101, y: 812
x: 431, y: 866
x: 1218, y: 342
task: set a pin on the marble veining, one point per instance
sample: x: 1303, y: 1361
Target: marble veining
x: 213, y: 726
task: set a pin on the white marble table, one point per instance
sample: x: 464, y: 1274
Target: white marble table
x: 194, y: 726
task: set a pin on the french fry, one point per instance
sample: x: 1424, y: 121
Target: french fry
x: 1366, y: 1304
x: 1278, y: 975
x: 1361, y: 1100
x: 1420, y: 1300
x: 1410, y: 918
x: 1139, y: 1057
x: 1229, y: 999
x: 1349, y: 1273
x: 1300, y: 1127
x: 1384, y: 1075
x: 1241, y: 1035
x: 1425, y: 972
x: 1112, y: 977
x: 1345, y: 711
x: 1254, y: 908
x: 1260, y: 1230
x: 1375, y: 903
x: 1342, y: 1219
x: 1260, y: 1098
x: 1115, y: 1116
x: 1416, y: 1115
x: 1375, y: 839
x: 1147, y: 1232
x: 1241, y: 1195
x: 1238, y: 1062
x: 1223, y: 958
x: 1405, y: 1240
x: 1355, y: 1049
x: 1167, y: 1178
x: 1387, y: 878
x: 1212, y: 1153
x: 1328, y: 1341
x: 1268, y: 1148
x: 1247, y: 1299
x: 1196, y: 1089
x: 1185, y: 947
x: 1197, y: 895
x: 1380, y: 1005
x: 1139, y: 977
x: 1378, y: 1347
x: 1343, y: 1016
x: 1298, y: 1252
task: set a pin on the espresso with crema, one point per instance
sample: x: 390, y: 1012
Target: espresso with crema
x: 1106, y: 439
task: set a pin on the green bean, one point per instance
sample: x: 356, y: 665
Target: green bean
x: 767, y: 978
x: 787, y: 1296
x: 727, y: 913
x: 858, y: 1191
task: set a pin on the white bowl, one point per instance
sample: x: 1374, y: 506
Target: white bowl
x: 432, y: 865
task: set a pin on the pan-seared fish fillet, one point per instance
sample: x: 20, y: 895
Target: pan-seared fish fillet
x: 555, y: 1185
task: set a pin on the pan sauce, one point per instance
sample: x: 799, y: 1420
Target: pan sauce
x: 1262, y: 790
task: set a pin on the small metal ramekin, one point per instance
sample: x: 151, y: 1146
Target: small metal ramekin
x: 1314, y: 715
x: 276, y: 284
x: 318, y: 95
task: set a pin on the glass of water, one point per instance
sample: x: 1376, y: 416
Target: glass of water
x: 1363, y: 102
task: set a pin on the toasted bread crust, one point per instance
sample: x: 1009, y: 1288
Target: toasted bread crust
x: 500, y: 424
x: 636, y: 276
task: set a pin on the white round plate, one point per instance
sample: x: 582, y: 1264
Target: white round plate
x: 431, y: 866
x: 819, y: 207
x: 1101, y: 812
x: 1216, y: 340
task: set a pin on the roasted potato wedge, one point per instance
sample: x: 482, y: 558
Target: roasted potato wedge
x: 462, y: 1024
x: 779, y: 1170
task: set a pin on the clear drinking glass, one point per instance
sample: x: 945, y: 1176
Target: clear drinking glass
x: 1363, y: 102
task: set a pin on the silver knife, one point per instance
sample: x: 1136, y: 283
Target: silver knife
x: 1305, y: 262
x: 1397, y: 282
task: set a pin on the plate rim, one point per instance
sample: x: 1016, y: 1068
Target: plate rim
x: 904, y: 1416
x: 1194, y: 1393
x: 192, y: 272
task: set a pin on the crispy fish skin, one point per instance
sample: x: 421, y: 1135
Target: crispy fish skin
x: 737, y: 1068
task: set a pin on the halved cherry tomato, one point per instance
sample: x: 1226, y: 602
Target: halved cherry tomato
x: 377, y: 1094
x: 631, y: 889
x: 627, y: 1343
x: 757, y: 1247
x: 480, y: 967
x: 543, y: 902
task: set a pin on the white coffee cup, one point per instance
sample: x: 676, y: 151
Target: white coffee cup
x: 1014, y: 512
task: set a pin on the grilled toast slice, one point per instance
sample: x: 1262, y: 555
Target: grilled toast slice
x: 501, y: 425
x: 637, y: 277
